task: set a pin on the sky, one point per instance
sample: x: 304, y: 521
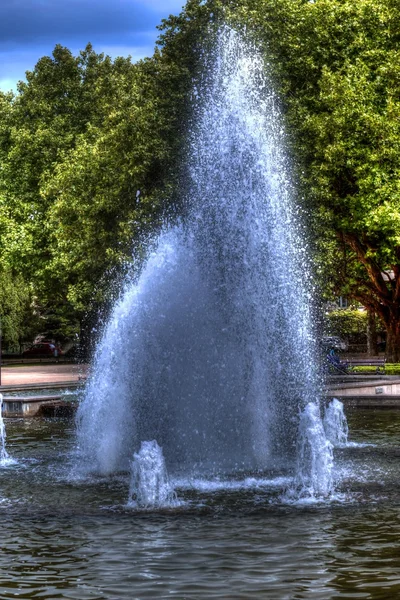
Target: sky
x: 29, y: 29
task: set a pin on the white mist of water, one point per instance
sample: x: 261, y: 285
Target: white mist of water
x: 335, y: 423
x: 150, y: 486
x: 210, y: 351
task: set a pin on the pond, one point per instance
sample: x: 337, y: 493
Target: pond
x: 63, y: 536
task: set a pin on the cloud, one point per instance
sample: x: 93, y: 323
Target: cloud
x: 36, y: 21
x: 29, y: 29
x: 41, y: 20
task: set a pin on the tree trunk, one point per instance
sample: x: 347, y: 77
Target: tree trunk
x: 393, y: 341
x: 372, y: 346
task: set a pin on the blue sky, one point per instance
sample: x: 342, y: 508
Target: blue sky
x: 29, y: 29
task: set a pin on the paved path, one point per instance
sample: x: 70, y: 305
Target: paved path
x: 30, y: 374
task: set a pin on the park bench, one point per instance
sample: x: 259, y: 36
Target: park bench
x: 374, y: 361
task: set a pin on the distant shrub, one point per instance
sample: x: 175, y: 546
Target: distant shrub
x: 348, y: 323
x: 390, y: 369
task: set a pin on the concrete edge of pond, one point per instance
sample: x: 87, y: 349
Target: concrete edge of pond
x: 40, y: 405
x: 53, y: 405
x: 376, y: 393
x: 367, y: 392
x: 32, y: 387
x: 376, y: 388
x: 343, y: 383
x: 375, y: 402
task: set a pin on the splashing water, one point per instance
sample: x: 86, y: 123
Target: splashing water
x: 150, y: 486
x: 315, y: 457
x: 211, y: 350
x: 4, y: 456
x: 335, y: 423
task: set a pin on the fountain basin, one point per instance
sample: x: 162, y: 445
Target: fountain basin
x: 38, y: 406
x: 77, y: 539
x: 361, y: 393
x: 379, y: 392
x: 38, y: 400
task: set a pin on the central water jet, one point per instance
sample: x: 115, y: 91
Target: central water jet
x: 217, y: 356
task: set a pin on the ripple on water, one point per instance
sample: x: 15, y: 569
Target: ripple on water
x: 74, y: 538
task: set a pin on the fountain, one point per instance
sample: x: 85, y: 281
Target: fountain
x: 150, y: 485
x: 315, y: 456
x: 217, y: 359
x: 215, y: 394
x: 335, y: 423
x: 4, y: 456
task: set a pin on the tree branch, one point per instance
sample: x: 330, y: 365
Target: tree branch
x: 372, y: 268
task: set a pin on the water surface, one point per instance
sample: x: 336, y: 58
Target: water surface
x: 66, y: 537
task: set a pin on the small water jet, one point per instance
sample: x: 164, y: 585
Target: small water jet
x: 335, y: 423
x: 4, y: 456
x: 219, y: 357
x: 315, y: 456
x: 150, y: 486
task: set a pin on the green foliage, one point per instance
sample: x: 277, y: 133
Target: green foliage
x: 390, y: 369
x: 17, y: 319
x: 103, y: 192
x: 337, y: 68
x: 85, y: 155
x: 346, y: 322
x: 91, y: 152
x: 337, y: 65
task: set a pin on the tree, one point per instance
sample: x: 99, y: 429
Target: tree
x: 77, y: 143
x: 337, y: 67
x: 353, y: 158
x: 16, y: 315
x: 85, y: 134
x: 112, y: 189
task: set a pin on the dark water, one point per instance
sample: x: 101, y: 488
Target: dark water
x: 62, y: 537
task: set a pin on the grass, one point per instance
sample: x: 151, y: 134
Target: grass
x: 390, y: 369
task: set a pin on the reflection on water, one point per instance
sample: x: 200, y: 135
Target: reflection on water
x: 73, y: 538
x: 375, y: 426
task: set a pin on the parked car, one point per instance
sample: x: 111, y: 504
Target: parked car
x: 42, y: 350
x: 335, y: 342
